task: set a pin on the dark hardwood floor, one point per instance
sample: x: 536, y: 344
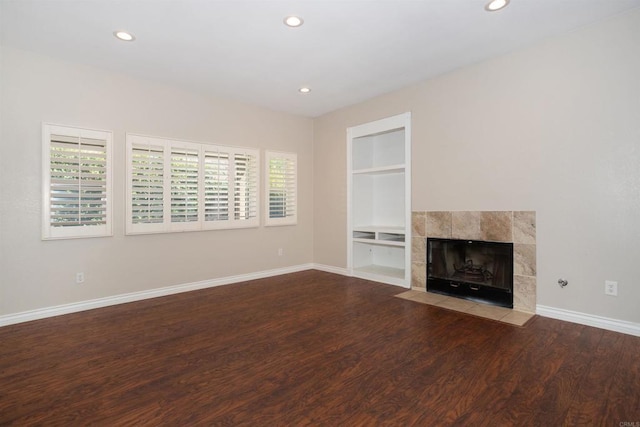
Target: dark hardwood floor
x: 311, y: 348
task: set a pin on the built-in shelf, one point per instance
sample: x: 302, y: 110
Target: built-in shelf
x: 380, y: 170
x: 364, y: 235
x: 379, y: 192
x: 391, y: 237
x: 396, y: 273
x: 380, y: 242
x: 381, y: 235
x: 392, y: 229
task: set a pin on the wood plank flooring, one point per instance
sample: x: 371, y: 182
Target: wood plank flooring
x: 316, y: 349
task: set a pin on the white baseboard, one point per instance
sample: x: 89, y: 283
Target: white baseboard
x: 26, y: 316
x: 42, y: 313
x: 332, y: 269
x: 616, y: 325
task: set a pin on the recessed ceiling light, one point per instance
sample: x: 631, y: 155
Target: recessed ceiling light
x: 293, y: 21
x: 124, y: 36
x: 494, y: 5
x: 304, y: 89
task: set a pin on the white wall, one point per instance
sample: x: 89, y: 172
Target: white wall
x: 36, y: 274
x: 554, y: 128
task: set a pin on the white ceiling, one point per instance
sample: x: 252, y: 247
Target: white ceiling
x: 347, y: 51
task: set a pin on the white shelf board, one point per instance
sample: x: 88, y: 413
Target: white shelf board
x: 380, y: 242
x: 379, y: 229
x: 380, y: 170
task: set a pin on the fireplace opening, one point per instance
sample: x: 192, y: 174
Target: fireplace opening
x: 471, y: 269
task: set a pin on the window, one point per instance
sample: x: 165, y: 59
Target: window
x: 281, y: 177
x: 245, y: 190
x: 185, y: 166
x: 184, y: 186
x: 146, y: 191
x: 216, y: 185
x: 76, y: 182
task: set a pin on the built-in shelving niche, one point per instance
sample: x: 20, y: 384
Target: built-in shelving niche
x: 379, y: 193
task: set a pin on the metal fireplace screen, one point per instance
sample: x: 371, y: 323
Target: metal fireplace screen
x: 471, y: 269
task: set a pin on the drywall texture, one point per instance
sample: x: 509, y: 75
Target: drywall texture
x: 552, y: 129
x: 36, y: 274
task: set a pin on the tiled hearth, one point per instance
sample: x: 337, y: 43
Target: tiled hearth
x: 500, y: 314
x: 517, y: 227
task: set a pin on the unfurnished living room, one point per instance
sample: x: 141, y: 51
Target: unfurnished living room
x: 320, y: 212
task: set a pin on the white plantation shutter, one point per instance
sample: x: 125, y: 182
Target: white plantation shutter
x: 281, y: 185
x: 146, y: 191
x: 216, y: 185
x: 183, y: 186
x: 185, y: 165
x: 245, y: 192
x: 77, y: 182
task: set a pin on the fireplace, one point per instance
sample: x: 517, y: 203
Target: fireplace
x: 471, y: 269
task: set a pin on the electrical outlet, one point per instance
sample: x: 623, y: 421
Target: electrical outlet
x: 611, y: 288
x: 79, y: 277
x: 280, y: 251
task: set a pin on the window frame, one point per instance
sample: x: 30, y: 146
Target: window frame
x: 170, y: 146
x: 51, y: 232
x: 291, y: 194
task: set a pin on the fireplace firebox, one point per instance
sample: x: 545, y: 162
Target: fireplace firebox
x: 471, y: 269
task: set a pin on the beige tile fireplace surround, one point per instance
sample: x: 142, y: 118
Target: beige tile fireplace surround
x: 517, y: 227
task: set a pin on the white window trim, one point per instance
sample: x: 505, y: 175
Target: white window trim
x: 292, y: 193
x: 80, y: 231
x: 167, y: 226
